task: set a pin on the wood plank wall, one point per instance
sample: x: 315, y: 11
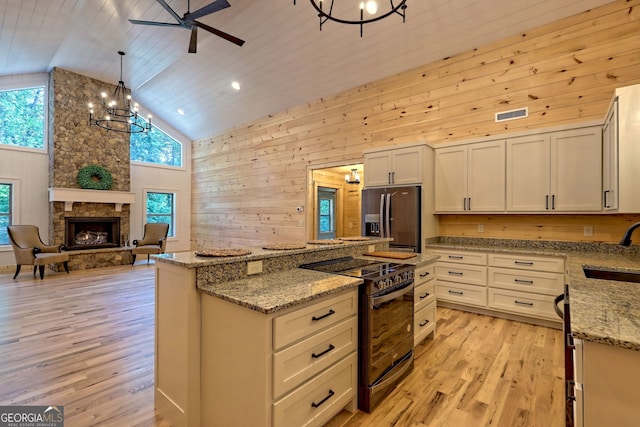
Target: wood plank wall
x: 347, y: 200
x: 248, y: 181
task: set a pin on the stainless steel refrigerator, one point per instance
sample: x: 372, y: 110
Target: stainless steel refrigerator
x: 393, y: 212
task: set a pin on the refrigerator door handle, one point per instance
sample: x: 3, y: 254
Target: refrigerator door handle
x: 382, y: 215
x: 387, y: 216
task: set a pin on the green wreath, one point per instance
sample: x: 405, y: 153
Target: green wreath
x: 94, y: 177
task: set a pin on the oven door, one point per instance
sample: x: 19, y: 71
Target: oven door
x: 391, y: 329
x: 569, y: 375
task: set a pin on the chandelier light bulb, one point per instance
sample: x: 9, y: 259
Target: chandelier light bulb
x: 371, y: 7
x: 103, y: 94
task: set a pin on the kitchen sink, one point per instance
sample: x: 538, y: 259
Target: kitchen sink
x: 620, y: 276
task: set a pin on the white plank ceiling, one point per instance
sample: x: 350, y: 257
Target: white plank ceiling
x: 285, y: 61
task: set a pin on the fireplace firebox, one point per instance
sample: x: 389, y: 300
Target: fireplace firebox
x: 92, y: 233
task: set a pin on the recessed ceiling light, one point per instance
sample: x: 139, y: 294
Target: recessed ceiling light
x: 180, y: 111
x: 235, y: 85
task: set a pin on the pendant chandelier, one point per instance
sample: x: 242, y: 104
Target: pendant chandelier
x: 119, y: 113
x: 353, y: 178
x: 364, y: 12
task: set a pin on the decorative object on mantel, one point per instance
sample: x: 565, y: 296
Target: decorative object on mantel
x: 339, y: 10
x: 354, y: 239
x: 94, y: 177
x: 284, y: 246
x: 222, y: 252
x: 119, y: 115
x: 325, y: 242
x: 353, y: 178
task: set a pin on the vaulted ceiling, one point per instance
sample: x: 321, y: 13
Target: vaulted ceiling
x: 285, y: 62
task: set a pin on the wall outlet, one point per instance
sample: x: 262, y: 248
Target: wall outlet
x: 300, y: 209
x: 480, y: 228
x: 588, y: 231
x: 372, y: 248
x: 254, y: 267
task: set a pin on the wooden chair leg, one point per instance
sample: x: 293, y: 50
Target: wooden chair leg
x: 41, y: 268
x: 66, y: 266
x: 17, y: 271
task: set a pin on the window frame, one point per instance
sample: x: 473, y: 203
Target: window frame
x: 174, y: 210
x: 29, y: 81
x: 14, y: 205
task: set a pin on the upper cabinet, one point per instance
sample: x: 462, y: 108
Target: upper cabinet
x: 470, y: 178
x: 555, y: 172
x: 621, y: 151
x: 400, y: 166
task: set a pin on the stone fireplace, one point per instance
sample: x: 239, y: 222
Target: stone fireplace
x: 101, y: 217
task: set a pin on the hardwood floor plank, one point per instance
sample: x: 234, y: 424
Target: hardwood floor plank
x: 85, y: 340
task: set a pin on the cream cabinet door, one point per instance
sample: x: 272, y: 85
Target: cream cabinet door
x: 377, y: 167
x: 407, y: 166
x: 528, y: 173
x: 451, y: 179
x: 576, y: 170
x: 610, y: 159
x: 486, y: 177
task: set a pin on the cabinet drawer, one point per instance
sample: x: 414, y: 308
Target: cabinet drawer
x: 424, y: 322
x: 306, y: 321
x: 424, y: 274
x: 320, y: 399
x: 526, y: 262
x: 301, y: 361
x: 528, y: 281
x: 527, y: 304
x: 463, y: 257
x: 424, y: 295
x: 461, y: 273
x: 461, y: 294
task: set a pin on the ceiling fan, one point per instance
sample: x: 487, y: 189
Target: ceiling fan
x: 189, y: 22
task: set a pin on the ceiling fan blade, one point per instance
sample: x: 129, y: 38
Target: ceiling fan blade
x: 158, y: 24
x: 193, y: 42
x: 206, y: 10
x: 171, y: 11
x: 219, y: 33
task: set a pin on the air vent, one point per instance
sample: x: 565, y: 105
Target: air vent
x: 512, y: 114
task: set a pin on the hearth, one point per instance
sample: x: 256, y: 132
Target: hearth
x: 92, y: 233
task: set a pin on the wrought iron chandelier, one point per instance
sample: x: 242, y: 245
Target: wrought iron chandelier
x: 366, y: 10
x: 120, y: 113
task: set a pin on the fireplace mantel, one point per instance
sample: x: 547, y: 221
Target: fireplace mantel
x: 71, y: 195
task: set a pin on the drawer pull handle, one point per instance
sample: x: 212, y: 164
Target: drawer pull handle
x: 530, y: 304
x: 456, y: 273
x: 529, y: 263
x: 316, y: 318
x: 424, y: 322
x: 456, y: 292
x: 426, y: 294
x: 526, y: 282
x: 456, y: 257
x: 315, y: 356
x: 425, y: 274
x: 331, y: 393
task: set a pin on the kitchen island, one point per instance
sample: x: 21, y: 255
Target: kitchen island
x: 230, y: 333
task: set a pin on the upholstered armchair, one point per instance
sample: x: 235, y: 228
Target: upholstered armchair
x: 29, y: 249
x: 153, y: 241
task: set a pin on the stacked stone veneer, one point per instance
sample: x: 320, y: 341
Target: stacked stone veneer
x: 74, y: 144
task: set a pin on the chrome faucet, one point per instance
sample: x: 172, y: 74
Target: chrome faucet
x: 626, y: 239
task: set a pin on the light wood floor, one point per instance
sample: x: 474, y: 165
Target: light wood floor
x: 85, y: 341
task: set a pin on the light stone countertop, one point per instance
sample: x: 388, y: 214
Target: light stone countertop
x: 603, y: 311
x: 269, y: 293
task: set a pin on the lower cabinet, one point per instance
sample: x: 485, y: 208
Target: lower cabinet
x: 297, y: 368
x: 424, y: 303
x: 523, y: 285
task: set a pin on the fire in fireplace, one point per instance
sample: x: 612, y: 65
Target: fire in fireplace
x: 92, y: 233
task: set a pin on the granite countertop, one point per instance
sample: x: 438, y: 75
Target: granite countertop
x: 603, y: 311
x: 269, y: 293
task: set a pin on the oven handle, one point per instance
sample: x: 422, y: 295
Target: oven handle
x: 406, y: 287
x: 557, y: 301
x: 406, y: 361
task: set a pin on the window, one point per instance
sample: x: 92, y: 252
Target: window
x: 155, y: 147
x: 22, y: 117
x: 161, y: 208
x: 6, y: 191
x: 326, y: 213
